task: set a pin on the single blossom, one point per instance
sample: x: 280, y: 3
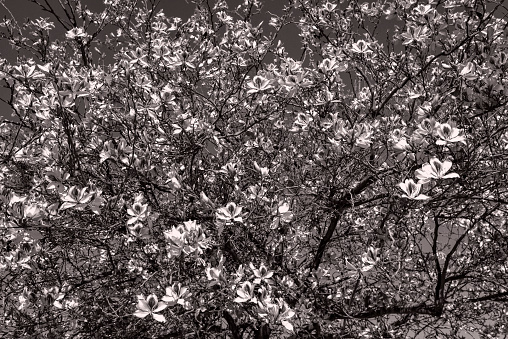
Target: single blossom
x: 329, y: 6
x: 75, y: 197
x: 150, y: 305
x: 258, y: 84
x: 215, y: 273
x: 262, y: 170
x: 449, y: 134
x: 229, y: 213
x: 415, y: 34
x: 138, y: 211
x: 281, y: 214
x: 361, y: 46
x: 435, y: 169
x: 468, y: 71
x: 427, y: 126
x: 412, y: 190
x: 422, y: 9
x: 277, y: 312
x: 370, y: 259
x: 246, y: 293
x: 328, y: 65
x: 261, y: 274
x: 177, y: 294
x: 402, y: 146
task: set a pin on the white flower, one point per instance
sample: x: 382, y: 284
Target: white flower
x: 402, y: 146
x: 427, y: 126
x: 138, y: 211
x: 258, y: 84
x: 468, y: 71
x: 412, y: 190
x: 76, y: 32
x: 261, y: 274
x: 361, y: 46
x: 229, y: 213
x: 276, y: 312
x: 150, y: 305
x: 177, y: 294
x: 215, y: 273
x: 435, y: 169
x: 329, y: 6
x: 370, y: 259
x: 449, y: 134
x: 246, y: 293
x: 75, y: 197
x: 282, y: 213
x: 263, y: 170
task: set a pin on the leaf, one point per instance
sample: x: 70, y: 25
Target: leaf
x: 211, y: 148
x: 34, y: 234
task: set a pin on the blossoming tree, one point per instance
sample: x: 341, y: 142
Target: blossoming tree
x: 188, y: 178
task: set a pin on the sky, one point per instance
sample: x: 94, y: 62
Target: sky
x: 23, y: 10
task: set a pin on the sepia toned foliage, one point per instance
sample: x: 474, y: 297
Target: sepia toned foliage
x: 163, y: 177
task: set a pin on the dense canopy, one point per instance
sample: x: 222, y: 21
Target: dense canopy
x: 187, y: 177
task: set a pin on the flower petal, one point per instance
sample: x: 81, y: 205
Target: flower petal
x: 159, y: 318
x: 160, y: 307
x: 451, y: 175
x: 422, y: 197
x: 446, y: 165
x: 141, y: 314
x: 143, y: 306
x: 403, y: 186
x: 240, y: 300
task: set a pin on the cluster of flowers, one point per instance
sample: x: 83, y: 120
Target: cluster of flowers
x: 435, y: 169
x: 187, y: 239
x: 175, y: 295
x: 272, y: 310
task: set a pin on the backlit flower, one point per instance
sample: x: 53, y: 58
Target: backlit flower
x: 412, y: 190
x: 246, y: 293
x: 448, y: 134
x: 76, y: 32
x: 258, y: 84
x: 370, y: 259
x: 150, y: 305
x: 177, y: 294
x: 435, y: 169
x: 138, y: 211
x: 427, y: 126
x: 361, y: 46
x: 278, y: 312
x: 229, y: 213
x: 261, y: 274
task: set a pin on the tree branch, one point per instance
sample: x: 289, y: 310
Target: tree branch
x: 433, y: 310
x: 493, y: 297
x: 342, y: 204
